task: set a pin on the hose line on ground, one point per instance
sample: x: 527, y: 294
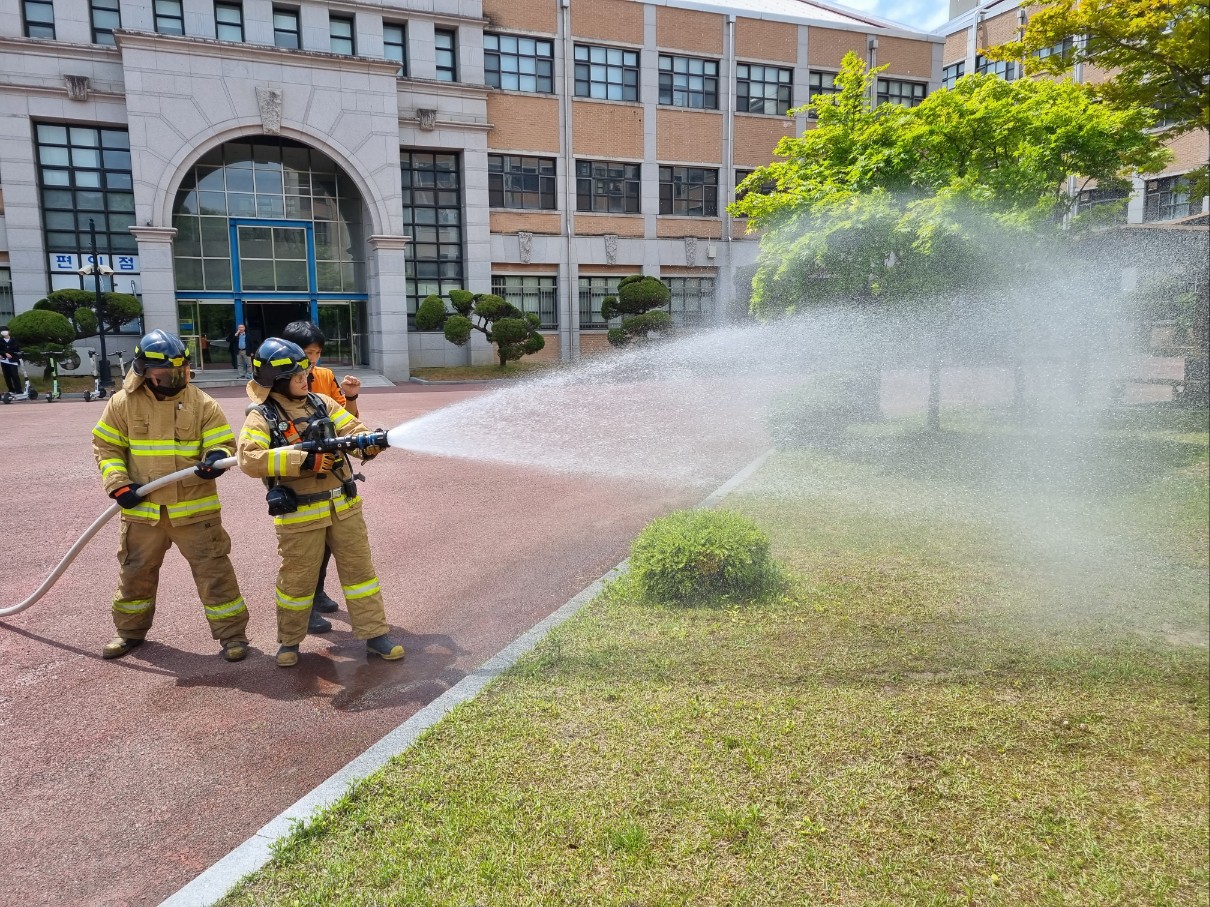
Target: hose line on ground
x: 95, y: 528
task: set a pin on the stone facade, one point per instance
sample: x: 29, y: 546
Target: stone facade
x: 181, y: 97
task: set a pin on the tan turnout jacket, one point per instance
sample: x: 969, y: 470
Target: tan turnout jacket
x: 258, y: 458
x: 140, y: 438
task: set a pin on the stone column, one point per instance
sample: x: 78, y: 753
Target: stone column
x: 388, y: 306
x: 157, y: 276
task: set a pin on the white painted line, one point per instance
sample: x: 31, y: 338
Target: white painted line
x: 219, y: 879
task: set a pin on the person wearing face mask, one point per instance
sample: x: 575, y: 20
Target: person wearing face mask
x: 10, y: 359
x: 157, y: 424
x: 312, y: 498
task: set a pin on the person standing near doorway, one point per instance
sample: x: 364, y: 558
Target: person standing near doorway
x: 237, y: 342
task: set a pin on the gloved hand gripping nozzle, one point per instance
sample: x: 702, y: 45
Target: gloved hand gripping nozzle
x: 362, y: 442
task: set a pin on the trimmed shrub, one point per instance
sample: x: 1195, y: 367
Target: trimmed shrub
x: 693, y: 555
x: 430, y: 314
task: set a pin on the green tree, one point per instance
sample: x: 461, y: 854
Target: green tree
x: 42, y: 331
x: 1157, y: 52
x: 514, y: 332
x: 914, y: 207
x: 79, y: 307
x: 639, y: 302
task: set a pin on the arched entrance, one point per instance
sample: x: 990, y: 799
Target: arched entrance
x: 269, y: 231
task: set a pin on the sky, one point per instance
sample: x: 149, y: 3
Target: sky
x: 922, y: 14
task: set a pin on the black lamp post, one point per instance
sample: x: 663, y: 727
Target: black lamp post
x: 95, y: 270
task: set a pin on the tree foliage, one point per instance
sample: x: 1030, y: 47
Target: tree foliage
x: 888, y: 203
x: 1156, y: 52
x: 79, y: 308
x: 639, y: 302
x: 41, y: 331
x: 514, y: 332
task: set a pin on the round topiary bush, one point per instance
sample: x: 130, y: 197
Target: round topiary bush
x: 692, y: 555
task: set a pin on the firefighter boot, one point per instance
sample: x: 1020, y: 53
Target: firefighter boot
x: 324, y: 603
x: 119, y: 646
x: 235, y: 649
x: 287, y: 656
x: 384, y: 648
x: 316, y: 622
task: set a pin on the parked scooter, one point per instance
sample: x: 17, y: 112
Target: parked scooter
x: 53, y: 358
x: 29, y: 393
x: 97, y: 392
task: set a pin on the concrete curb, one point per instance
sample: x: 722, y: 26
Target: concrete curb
x: 214, y: 883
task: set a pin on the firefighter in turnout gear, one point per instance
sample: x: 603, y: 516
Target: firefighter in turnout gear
x: 312, y: 497
x: 157, y: 424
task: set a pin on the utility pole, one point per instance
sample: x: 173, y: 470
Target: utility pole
x: 97, y: 270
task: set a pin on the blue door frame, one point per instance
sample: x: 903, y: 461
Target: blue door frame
x: 312, y: 295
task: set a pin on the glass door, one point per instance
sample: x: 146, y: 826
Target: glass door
x: 336, y: 322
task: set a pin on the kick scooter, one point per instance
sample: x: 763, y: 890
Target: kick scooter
x: 29, y: 393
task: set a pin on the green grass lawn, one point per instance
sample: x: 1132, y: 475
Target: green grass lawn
x: 985, y: 685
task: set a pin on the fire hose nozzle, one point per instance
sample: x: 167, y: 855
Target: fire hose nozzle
x: 347, y: 442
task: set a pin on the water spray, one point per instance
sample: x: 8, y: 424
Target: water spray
x: 359, y: 442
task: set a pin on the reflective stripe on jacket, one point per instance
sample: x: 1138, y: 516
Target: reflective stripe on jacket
x: 139, y: 438
x: 258, y: 458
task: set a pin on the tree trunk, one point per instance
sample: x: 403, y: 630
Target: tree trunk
x: 934, y: 411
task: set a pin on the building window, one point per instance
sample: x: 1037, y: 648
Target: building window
x: 285, y: 27
x: 519, y: 64
x: 692, y: 299
x: 169, y: 17
x: 432, y: 217
x: 821, y: 83
x: 446, y: 44
x: 608, y: 187
x: 593, y: 291
x: 268, y: 178
x: 763, y: 89
x: 341, y: 36
x: 689, y: 191
x: 521, y: 182
x: 1064, y: 49
x: 395, y: 44
x: 1091, y: 199
x: 905, y: 94
x: 530, y: 293
x: 608, y: 73
x: 106, y: 16
x: 952, y: 73
x: 6, y: 295
x: 764, y: 189
x: 229, y: 22
x: 1005, y: 69
x: 1169, y: 198
x: 39, y: 19
x: 689, y: 82
x: 84, y: 174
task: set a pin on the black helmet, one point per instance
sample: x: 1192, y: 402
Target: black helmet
x: 159, y: 349
x: 277, y: 358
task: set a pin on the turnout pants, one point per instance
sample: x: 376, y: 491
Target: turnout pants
x: 302, y: 555
x: 207, y: 547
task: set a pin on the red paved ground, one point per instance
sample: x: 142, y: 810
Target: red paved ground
x: 122, y: 780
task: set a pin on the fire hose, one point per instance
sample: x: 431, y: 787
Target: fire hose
x: 325, y: 445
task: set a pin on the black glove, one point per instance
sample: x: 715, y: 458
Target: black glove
x: 127, y: 496
x: 206, y: 469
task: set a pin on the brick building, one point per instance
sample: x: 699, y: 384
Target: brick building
x: 1155, y: 198
x: 256, y: 161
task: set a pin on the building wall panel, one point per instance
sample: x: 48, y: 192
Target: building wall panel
x: 684, y: 29
x: 523, y: 15
x: 526, y: 222
x: 523, y: 123
x: 686, y: 135
x: 608, y: 130
x: 604, y: 224
x: 757, y: 39
x: 607, y: 20
x: 903, y: 57
x: 756, y: 137
x: 826, y: 47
